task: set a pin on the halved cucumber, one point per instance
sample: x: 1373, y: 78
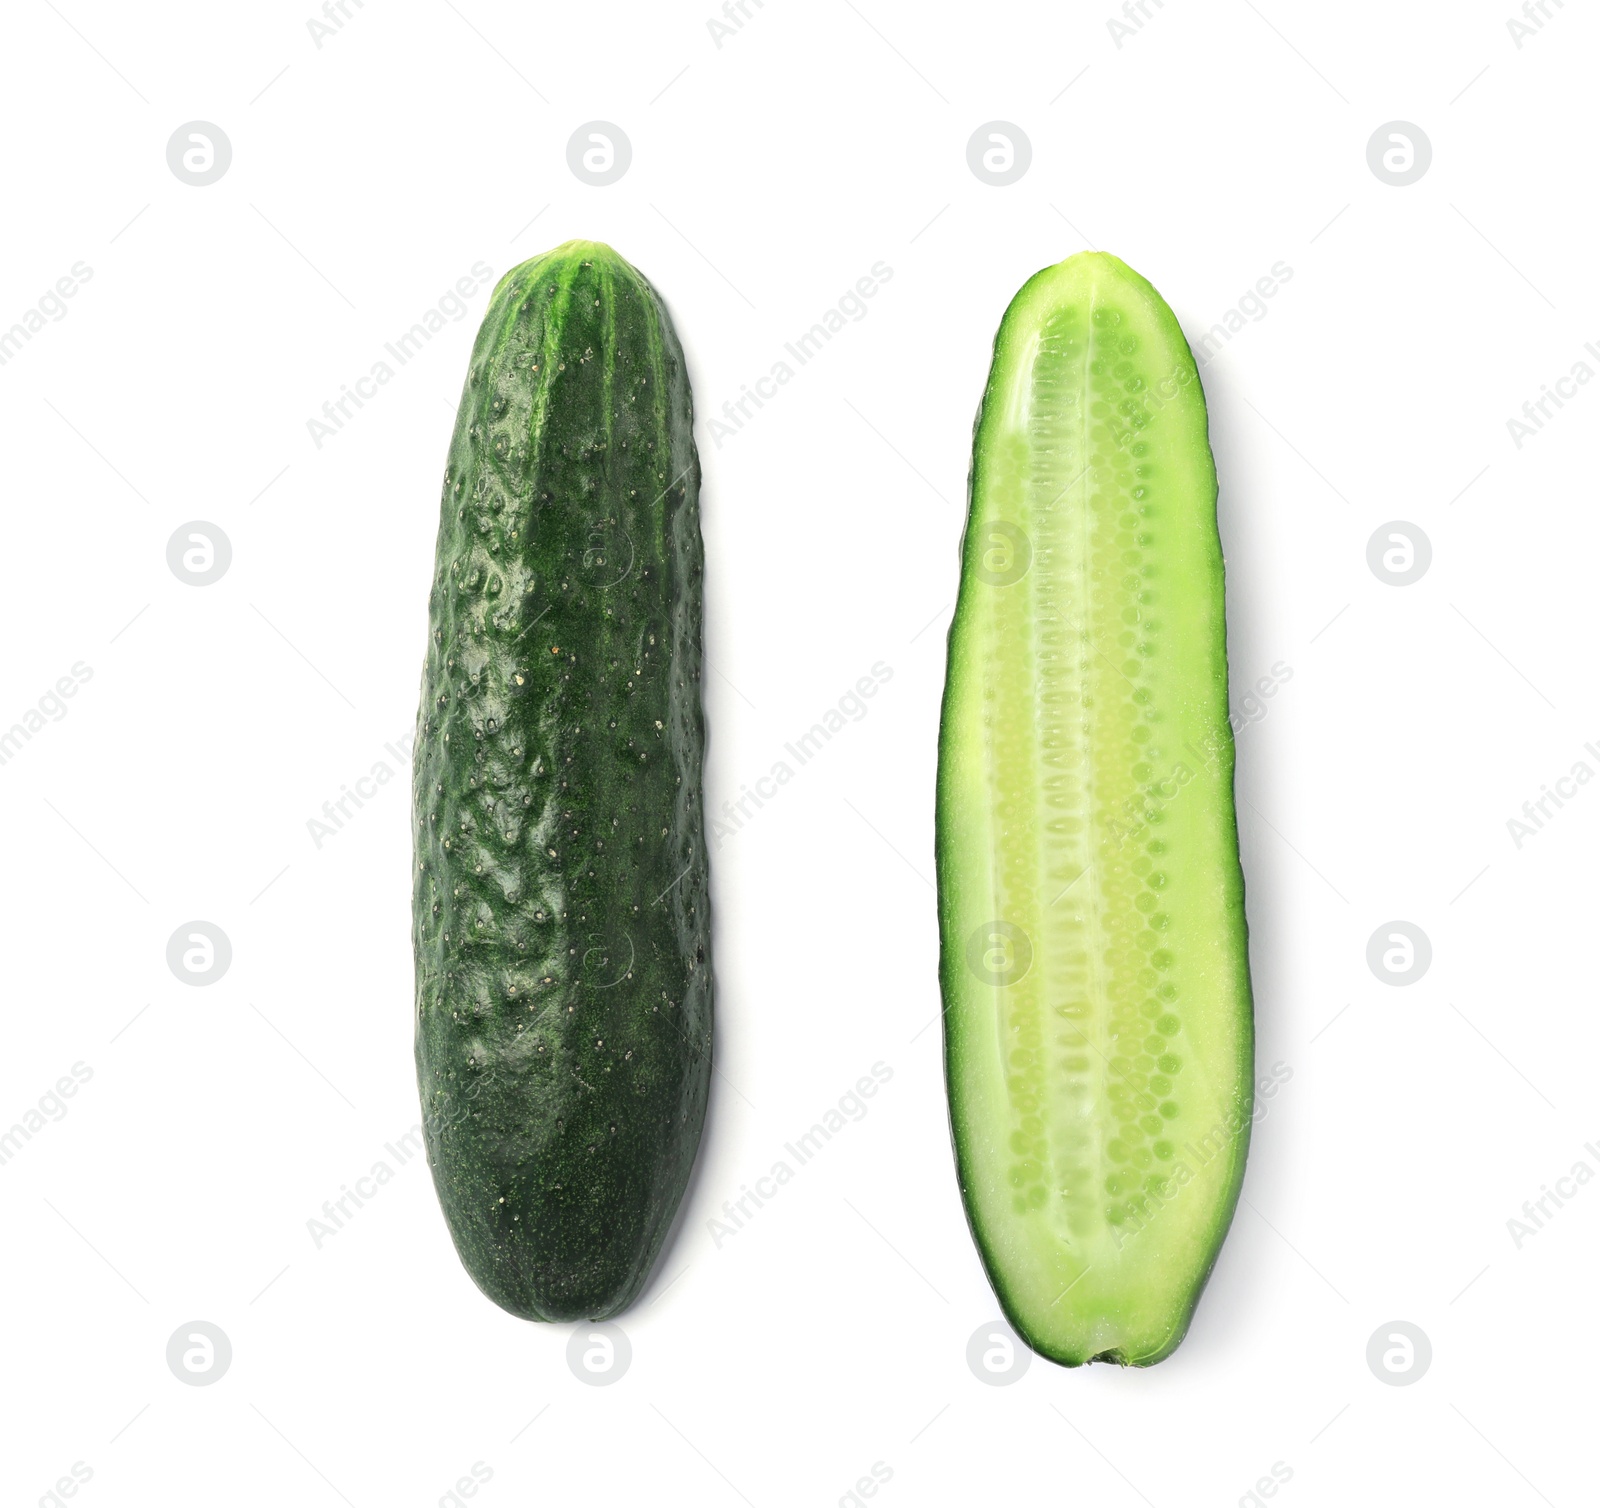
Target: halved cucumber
x: 1098, y: 1024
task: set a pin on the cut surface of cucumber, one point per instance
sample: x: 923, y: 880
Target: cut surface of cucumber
x: 1098, y: 1018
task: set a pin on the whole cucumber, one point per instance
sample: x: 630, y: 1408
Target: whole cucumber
x: 560, y: 917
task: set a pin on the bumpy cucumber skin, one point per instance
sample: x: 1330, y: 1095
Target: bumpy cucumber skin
x: 1229, y: 880
x: 560, y: 917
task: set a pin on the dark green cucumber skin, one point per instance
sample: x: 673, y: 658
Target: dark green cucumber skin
x: 560, y: 917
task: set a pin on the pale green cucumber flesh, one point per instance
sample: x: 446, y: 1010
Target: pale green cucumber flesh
x: 1098, y: 1019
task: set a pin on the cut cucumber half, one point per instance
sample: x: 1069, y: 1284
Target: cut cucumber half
x: 1098, y: 1021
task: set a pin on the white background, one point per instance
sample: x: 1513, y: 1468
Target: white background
x: 768, y: 174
